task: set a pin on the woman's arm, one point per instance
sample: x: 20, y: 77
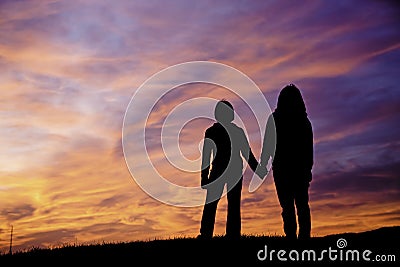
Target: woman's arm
x: 269, y: 142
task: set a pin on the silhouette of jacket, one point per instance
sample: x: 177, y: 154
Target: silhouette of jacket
x: 289, y: 135
x: 293, y: 143
x: 227, y: 156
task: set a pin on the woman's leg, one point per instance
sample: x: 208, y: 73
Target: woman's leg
x: 303, y: 210
x: 286, y: 200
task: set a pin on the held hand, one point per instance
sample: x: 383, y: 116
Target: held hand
x: 204, y: 183
x: 261, y: 171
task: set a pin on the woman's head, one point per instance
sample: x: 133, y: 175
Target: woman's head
x: 291, y: 101
x: 224, y: 112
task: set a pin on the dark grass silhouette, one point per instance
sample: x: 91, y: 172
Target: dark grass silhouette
x: 217, y: 251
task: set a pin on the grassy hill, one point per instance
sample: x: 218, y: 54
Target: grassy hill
x: 249, y: 250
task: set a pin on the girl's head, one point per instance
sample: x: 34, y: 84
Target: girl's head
x: 291, y: 101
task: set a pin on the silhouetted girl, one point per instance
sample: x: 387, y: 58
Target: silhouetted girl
x: 292, y: 161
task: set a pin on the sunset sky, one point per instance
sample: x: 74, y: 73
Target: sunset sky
x: 70, y: 68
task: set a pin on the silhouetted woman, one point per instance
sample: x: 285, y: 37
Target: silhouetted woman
x: 292, y: 160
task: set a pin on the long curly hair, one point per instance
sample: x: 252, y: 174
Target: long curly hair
x: 290, y: 101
